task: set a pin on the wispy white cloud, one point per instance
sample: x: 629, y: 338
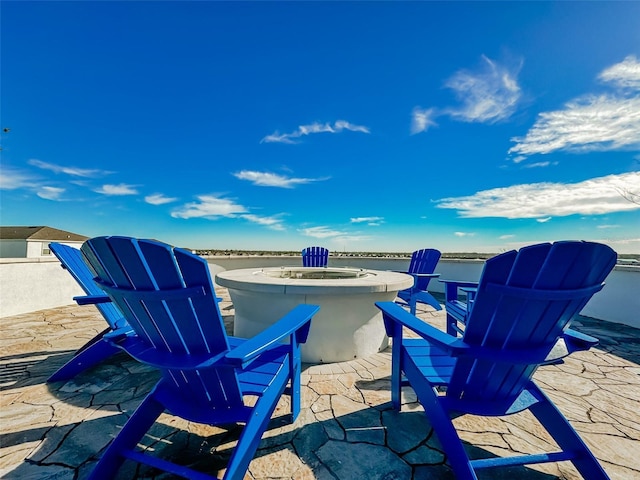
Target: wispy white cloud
x: 273, y: 222
x: 303, y: 130
x: 625, y: 74
x: 209, y: 206
x: 488, y: 94
x: 322, y: 232
x: 74, y: 171
x: 422, y: 119
x: 277, y: 137
x: 340, y: 125
x: 608, y: 226
x: 592, y: 123
x: 506, y: 237
x: 539, y: 200
x: 121, y: 189
x: 334, y: 236
x: 543, y: 220
x: 371, y: 221
x: 344, y: 239
x: 13, y: 179
x: 159, y: 199
x: 539, y: 164
x: 213, y: 207
x: 266, y: 179
x: 609, y: 121
x: 630, y: 193
x: 50, y: 193
x: 464, y: 234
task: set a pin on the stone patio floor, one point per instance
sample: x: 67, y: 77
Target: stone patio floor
x: 347, y: 429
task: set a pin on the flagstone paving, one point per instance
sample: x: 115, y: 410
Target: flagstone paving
x: 346, y: 430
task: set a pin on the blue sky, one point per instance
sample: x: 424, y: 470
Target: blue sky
x: 365, y: 126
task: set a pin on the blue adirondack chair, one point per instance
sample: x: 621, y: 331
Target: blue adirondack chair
x: 524, y: 303
x: 458, y: 309
x: 167, y: 297
x: 98, y: 348
x: 315, y: 257
x: 423, y: 263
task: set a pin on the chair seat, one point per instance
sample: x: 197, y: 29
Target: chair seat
x: 434, y: 363
x: 258, y: 376
x: 255, y: 380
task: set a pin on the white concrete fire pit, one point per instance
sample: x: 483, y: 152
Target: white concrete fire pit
x: 348, y: 324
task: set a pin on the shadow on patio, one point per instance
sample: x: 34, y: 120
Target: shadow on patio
x: 348, y: 431
x: 346, y: 428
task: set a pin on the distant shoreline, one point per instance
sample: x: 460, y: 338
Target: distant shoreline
x: 213, y: 252
x: 623, y: 258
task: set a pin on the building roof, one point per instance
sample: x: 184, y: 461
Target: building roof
x: 39, y: 233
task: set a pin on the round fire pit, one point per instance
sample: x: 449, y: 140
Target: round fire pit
x: 348, y: 324
x: 315, y: 273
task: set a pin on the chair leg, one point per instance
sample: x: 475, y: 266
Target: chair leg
x: 451, y: 322
x: 430, y: 300
x: 442, y: 424
x: 95, y: 339
x: 295, y: 371
x: 422, y: 297
x: 94, y: 352
x: 396, y: 366
x: 565, y: 436
x: 412, y: 306
x: 135, y: 428
x: 252, y: 432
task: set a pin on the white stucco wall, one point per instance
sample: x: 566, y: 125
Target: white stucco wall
x: 619, y: 300
x: 35, y: 248
x: 28, y: 285
x: 40, y: 248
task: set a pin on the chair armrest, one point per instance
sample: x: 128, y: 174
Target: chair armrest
x: 418, y: 275
x: 92, y: 299
x: 471, y: 293
x: 391, y: 312
x: 297, y: 322
x: 460, y: 283
x: 577, y: 341
x: 570, y: 341
x: 451, y: 288
x: 116, y: 334
x: 143, y: 352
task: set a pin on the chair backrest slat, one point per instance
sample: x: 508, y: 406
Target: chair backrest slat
x: 176, y: 324
x: 509, y: 318
x: 71, y: 259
